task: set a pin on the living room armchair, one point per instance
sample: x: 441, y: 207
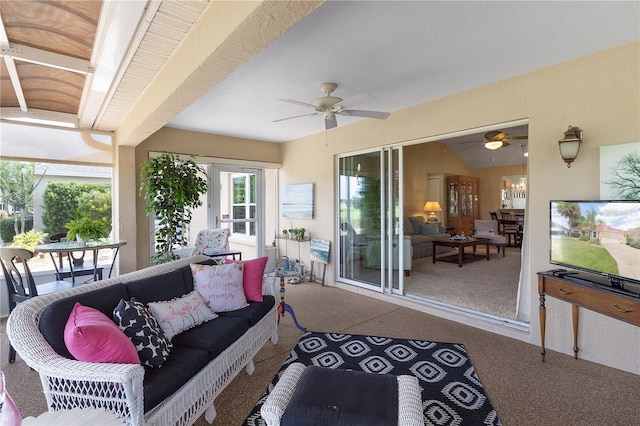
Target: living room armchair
x: 489, y: 229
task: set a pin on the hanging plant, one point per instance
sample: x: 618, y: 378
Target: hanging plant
x: 171, y: 187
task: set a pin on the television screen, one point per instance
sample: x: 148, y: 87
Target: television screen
x: 601, y: 237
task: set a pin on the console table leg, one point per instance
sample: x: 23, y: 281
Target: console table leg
x: 575, y: 317
x: 543, y: 325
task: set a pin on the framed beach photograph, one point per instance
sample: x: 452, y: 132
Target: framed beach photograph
x: 297, y: 201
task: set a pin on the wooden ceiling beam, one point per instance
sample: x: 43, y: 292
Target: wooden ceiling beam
x: 42, y: 57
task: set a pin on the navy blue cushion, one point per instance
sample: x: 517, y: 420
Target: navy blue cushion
x: 161, y: 287
x: 328, y: 396
x: 180, y: 367
x: 55, y: 316
x: 213, y: 336
x: 254, y: 312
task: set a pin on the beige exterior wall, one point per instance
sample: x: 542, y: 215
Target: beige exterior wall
x: 599, y: 93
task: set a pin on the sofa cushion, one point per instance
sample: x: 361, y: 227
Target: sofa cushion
x: 416, y: 223
x: 214, y: 336
x: 160, y: 287
x: 180, y: 367
x: 220, y: 285
x: 254, y: 312
x: 430, y: 228
x: 180, y: 314
x: 93, y: 337
x: 141, y: 327
x: 54, y: 317
x: 407, y: 227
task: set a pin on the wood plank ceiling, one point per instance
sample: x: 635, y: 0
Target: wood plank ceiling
x: 66, y: 28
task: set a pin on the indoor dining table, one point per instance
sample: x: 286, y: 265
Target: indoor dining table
x: 67, y: 247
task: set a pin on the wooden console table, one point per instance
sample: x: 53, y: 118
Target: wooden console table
x: 582, y: 293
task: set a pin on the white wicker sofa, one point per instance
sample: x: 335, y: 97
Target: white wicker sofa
x: 202, y: 362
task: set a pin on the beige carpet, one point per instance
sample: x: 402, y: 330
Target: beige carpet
x: 524, y: 391
x: 486, y: 286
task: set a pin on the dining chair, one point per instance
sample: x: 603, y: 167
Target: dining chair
x: 21, y: 285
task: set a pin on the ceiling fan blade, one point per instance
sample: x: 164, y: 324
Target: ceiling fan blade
x: 514, y: 138
x: 355, y: 100
x: 298, y: 103
x: 361, y: 113
x: 297, y: 116
x: 330, y: 123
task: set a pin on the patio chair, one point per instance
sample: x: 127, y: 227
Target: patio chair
x: 209, y: 241
x: 21, y: 285
x: 489, y: 229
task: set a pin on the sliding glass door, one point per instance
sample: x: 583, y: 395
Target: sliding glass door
x: 369, y: 207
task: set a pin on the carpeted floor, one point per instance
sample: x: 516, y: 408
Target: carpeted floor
x: 451, y: 391
x: 486, y: 286
x: 523, y: 390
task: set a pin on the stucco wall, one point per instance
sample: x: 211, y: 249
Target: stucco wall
x: 600, y: 93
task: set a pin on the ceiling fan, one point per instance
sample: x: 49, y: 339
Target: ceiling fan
x: 329, y: 106
x: 498, y: 139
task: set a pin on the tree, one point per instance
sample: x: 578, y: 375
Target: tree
x: 626, y: 180
x: 64, y: 201
x: 17, y: 185
x: 571, y: 211
x: 171, y: 187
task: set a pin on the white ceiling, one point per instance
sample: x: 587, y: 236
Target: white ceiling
x: 403, y: 53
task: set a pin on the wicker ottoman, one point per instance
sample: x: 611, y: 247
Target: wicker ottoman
x: 319, y: 395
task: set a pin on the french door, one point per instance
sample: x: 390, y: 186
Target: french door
x: 238, y: 204
x: 371, y: 249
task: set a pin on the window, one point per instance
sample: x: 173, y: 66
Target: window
x: 244, y: 203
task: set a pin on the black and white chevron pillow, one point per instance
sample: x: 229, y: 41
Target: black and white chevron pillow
x: 137, y: 322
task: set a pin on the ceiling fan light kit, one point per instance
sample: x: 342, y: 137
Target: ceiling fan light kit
x: 493, y: 145
x: 498, y: 139
x: 329, y: 106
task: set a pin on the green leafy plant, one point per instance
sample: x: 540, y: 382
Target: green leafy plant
x: 29, y: 240
x: 64, y: 201
x: 171, y: 187
x: 87, y: 228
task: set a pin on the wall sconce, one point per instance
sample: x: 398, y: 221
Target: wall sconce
x: 433, y: 207
x: 570, y: 144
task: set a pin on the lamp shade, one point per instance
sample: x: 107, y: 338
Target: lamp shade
x: 432, y: 207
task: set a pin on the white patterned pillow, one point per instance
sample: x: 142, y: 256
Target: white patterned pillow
x: 220, y: 285
x: 180, y: 314
x: 135, y: 320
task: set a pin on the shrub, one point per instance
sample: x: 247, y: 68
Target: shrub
x: 7, y: 230
x: 28, y: 240
x: 63, y: 200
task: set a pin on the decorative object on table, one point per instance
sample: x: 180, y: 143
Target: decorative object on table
x: 570, y: 144
x: 449, y: 382
x: 171, y: 187
x: 297, y: 201
x: 9, y: 413
x: 432, y: 207
x: 83, y: 229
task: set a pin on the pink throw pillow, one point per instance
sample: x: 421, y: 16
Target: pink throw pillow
x: 92, y: 336
x: 220, y: 286
x: 252, y: 277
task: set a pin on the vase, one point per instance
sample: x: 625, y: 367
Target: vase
x: 9, y: 414
x: 80, y: 240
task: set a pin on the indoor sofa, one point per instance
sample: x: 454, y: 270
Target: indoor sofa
x: 422, y: 235
x: 203, y: 359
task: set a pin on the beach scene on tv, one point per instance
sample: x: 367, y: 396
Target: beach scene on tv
x: 603, y: 237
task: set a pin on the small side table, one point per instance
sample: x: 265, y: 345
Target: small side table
x: 284, y: 307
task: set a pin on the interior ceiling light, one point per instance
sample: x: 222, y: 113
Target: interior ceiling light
x: 493, y: 145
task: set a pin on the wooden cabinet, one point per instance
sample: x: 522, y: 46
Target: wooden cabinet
x: 581, y: 293
x: 462, y: 203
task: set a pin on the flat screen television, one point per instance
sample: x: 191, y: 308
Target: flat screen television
x: 601, y: 238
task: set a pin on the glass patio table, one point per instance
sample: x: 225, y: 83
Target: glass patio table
x: 67, y: 247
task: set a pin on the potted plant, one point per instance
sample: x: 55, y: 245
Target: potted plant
x: 285, y: 234
x: 171, y: 187
x: 84, y: 228
x: 299, y: 233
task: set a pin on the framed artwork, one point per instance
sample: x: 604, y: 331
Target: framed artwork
x: 620, y: 171
x: 320, y: 250
x: 297, y: 201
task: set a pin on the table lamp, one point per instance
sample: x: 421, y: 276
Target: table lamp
x: 432, y: 207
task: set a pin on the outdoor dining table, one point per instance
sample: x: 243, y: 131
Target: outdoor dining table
x: 67, y: 247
